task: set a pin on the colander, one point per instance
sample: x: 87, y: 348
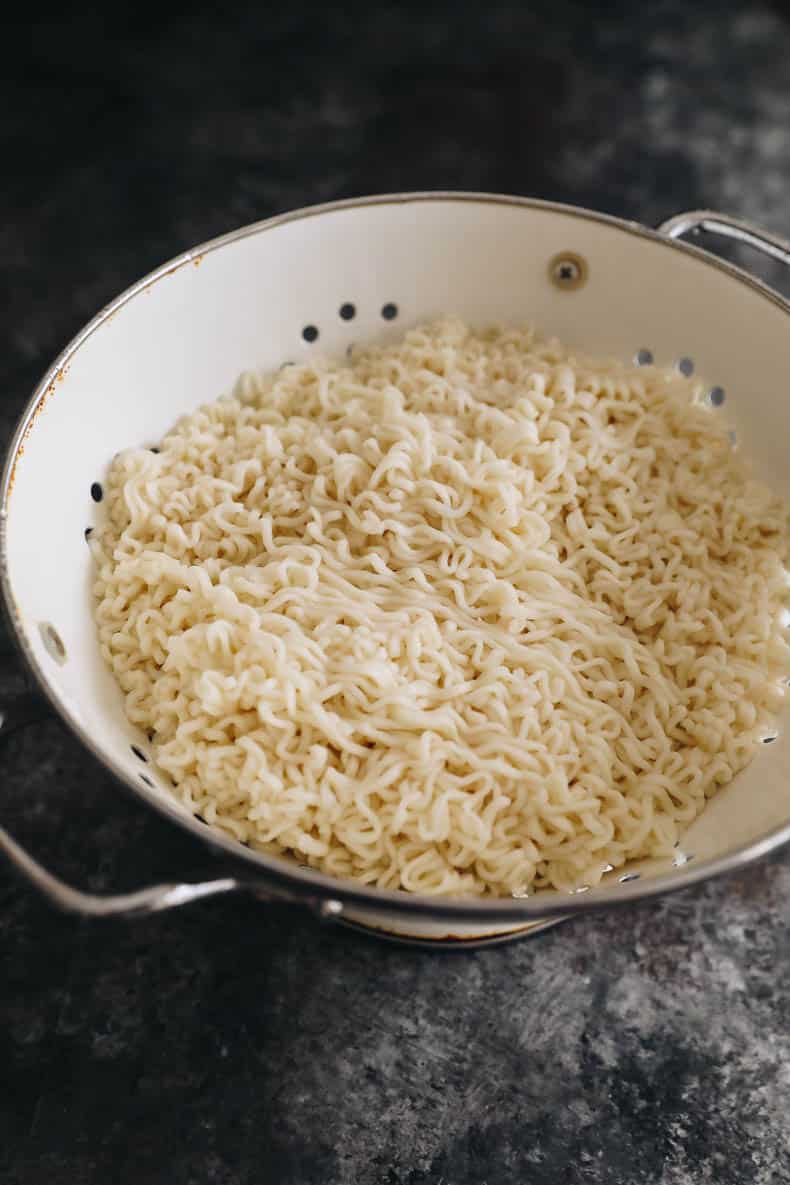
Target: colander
x: 321, y: 279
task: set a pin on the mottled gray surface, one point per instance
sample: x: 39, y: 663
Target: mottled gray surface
x: 240, y: 1045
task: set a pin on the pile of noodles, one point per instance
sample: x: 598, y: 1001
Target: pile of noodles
x: 469, y: 614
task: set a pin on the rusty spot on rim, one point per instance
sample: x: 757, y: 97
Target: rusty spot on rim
x: 49, y: 391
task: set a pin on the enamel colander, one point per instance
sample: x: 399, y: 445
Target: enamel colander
x: 323, y: 278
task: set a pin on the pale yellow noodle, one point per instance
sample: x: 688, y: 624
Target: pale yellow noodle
x: 469, y: 615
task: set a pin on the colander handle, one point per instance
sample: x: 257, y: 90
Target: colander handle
x: 25, y: 709
x: 738, y: 229
x: 153, y: 899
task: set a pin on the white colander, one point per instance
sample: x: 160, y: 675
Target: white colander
x: 323, y: 278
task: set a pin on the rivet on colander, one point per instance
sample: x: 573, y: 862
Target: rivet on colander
x: 716, y: 396
x: 53, y: 643
x: 629, y: 876
x: 310, y: 333
x: 643, y: 357
x: 567, y: 270
x: 685, y: 366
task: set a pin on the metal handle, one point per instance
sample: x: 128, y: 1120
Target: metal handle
x: 16, y: 714
x: 151, y: 900
x: 738, y: 229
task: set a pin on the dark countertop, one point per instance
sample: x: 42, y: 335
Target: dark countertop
x: 235, y: 1044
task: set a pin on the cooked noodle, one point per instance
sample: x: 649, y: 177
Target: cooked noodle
x: 469, y: 615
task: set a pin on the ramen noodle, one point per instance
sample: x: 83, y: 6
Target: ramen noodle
x: 468, y: 614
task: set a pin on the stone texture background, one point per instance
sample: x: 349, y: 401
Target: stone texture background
x: 239, y: 1045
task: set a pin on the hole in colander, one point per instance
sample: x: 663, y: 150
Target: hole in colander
x: 716, y: 396
x: 145, y: 778
x: 154, y: 448
x: 629, y: 876
x: 769, y: 738
x: 348, y: 311
x: 389, y: 311
x: 53, y: 643
x: 97, y: 493
x: 682, y: 858
x: 88, y: 532
x: 643, y: 357
x: 138, y: 753
x: 685, y: 366
x: 310, y: 333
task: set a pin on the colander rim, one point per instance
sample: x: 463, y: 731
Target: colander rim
x: 280, y: 874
